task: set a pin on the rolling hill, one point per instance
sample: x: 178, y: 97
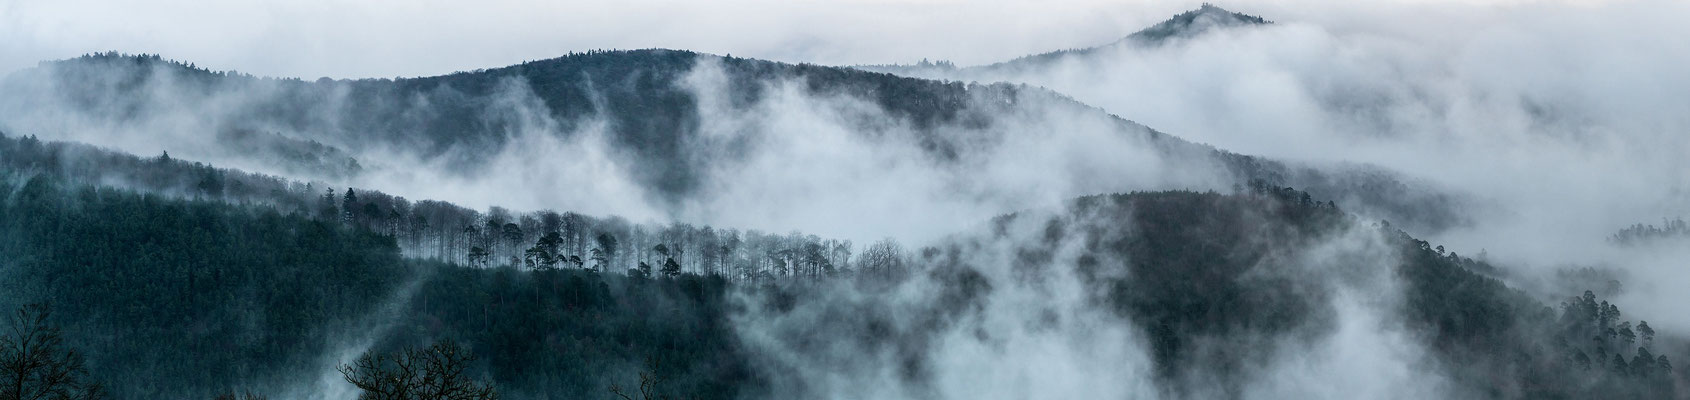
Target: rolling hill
x: 677, y: 123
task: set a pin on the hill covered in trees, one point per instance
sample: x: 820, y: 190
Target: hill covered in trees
x: 194, y: 293
x: 164, y: 276
x: 442, y: 231
x: 172, y: 298
x: 1227, y: 291
x: 676, y: 122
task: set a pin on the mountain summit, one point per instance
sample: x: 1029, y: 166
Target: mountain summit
x: 1184, y: 25
x: 1195, y: 22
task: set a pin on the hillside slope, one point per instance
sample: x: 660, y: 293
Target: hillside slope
x: 1219, y: 287
x: 683, y: 127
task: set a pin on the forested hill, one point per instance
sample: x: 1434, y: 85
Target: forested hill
x: 671, y: 118
x: 641, y: 94
x: 171, y: 297
x: 182, y: 299
x: 1185, y: 25
x: 442, y: 231
x: 1195, y: 22
x: 1227, y: 291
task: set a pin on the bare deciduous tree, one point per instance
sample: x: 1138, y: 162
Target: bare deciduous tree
x: 34, y: 363
x: 650, y: 383
x: 436, y: 372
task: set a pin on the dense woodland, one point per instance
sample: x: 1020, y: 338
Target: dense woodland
x: 231, y: 235
x: 445, y: 232
x: 1209, y: 267
x: 226, y: 295
x: 220, y: 297
x: 143, y: 277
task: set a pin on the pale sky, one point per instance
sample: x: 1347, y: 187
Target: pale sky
x: 384, y: 38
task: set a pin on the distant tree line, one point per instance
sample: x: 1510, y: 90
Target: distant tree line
x: 1638, y: 234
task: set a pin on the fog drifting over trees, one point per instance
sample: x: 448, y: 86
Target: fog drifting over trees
x: 1290, y: 200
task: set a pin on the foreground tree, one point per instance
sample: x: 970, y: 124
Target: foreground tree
x: 34, y: 363
x: 650, y: 385
x: 436, y: 372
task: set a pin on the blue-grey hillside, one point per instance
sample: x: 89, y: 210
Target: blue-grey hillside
x: 660, y: 112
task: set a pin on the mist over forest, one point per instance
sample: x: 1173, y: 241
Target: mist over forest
x: 1262, y: 201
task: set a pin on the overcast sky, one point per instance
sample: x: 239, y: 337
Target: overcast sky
x: 380, y: 38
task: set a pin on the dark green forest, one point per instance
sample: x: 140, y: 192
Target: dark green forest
x: 181, y: 298
x: 445, y: 232
x: 173, y: 296
x: 152, y: 276
x: 1207, y: 267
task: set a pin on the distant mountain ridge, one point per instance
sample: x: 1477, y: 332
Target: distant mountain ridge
x: 1186, y: 25
x: 647, y: 104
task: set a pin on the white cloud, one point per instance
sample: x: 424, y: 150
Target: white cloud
x: 1570, y: 116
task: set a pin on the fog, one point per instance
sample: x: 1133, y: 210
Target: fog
x: 808, y: 170
x: 1007, y: 334
x: 983, y: 322
x: 800, y: 160
x: 354, y: 39
x: 1571, y: 119
x: 361, y: 39
x: 1465, y: 85
x: 821, y: 163
x: 1570, y: 116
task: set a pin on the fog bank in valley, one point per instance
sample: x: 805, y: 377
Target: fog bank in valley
x: 1568, y: 117
x: 1562, y: 122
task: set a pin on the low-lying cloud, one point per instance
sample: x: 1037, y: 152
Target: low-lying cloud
x: 1570, y: 117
